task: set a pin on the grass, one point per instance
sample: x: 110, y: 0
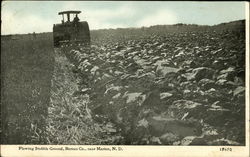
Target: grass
x: 26, y: 69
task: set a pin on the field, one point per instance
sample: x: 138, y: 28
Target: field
x: 27, y: 64
x: 162, y: 85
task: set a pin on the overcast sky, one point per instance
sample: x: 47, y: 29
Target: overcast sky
x: 27, y: 17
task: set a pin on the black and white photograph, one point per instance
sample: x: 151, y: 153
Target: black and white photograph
x: 124, y: 73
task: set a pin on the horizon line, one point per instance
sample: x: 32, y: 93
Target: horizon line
x: 135, y: 27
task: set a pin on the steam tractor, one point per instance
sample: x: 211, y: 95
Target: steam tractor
x: 71, y: 30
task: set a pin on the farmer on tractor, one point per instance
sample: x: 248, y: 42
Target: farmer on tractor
x: 71, y: 30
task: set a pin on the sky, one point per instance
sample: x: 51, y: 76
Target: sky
x: 19, y: 17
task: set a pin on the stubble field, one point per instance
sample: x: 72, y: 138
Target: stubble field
x: 176, y: 85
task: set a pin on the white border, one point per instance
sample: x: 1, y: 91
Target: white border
x: 247, y: 74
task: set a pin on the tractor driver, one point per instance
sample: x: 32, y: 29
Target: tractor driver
x: 76, y: 19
